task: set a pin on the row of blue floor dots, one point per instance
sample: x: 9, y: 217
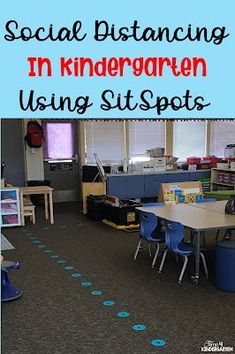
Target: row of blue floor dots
x: 121, y: 314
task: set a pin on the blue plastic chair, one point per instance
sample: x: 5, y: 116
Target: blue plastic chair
x: 227, y: 235
x: 150, y: 231
x: 174, y: 242
x: 8, y: 291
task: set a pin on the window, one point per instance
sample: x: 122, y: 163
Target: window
x: 222, y: 133
x: 59, y: 140
x: 145, y: 135
x: 188, y: 139
x: 106, y: 138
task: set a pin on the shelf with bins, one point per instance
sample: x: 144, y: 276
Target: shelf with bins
x: 10, y: 207
x: 222, y: 179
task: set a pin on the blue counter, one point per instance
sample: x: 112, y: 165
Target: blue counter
x: 147, y: 185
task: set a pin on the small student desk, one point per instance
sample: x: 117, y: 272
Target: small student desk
x: 195, y: 217
x: 46, y: 191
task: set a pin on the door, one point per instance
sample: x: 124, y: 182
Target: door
x: 61, y: 165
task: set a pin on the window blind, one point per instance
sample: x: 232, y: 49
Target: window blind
x: 144, y: 135
x: 222, y: 133
x: 106, y: 138
x: 188, y: 139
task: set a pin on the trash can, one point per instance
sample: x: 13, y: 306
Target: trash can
x: 225, y: 265
x: 95, y: 207
x: 38, y: 199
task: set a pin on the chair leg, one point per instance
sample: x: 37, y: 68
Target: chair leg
x: 156, y: 254
x: 217, y: 236
x: 183, y: 269
x: 204, y: 264
x: 137, y: 249
x: 149, y: 247
x: 227, y: 235
x: 34, y: 220
x: 163, y: 260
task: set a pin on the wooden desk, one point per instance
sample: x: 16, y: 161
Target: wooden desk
x: 46, y: 191
x: 196, y: 218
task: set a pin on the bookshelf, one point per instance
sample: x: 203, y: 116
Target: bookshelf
x: 10, y: 207
x: 222, y: 179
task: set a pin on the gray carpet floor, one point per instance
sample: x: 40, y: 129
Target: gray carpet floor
x: 57, y: 314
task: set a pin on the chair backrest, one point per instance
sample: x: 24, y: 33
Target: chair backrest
x: 149, y: 226
x: 174, y: 235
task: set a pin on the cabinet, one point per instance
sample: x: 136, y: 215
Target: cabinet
x: 126, y: 187
x: 10, y: 207
x: 222, y: 179
x: 116, y: 185
x: 148, y: 185
x: 195, y: 176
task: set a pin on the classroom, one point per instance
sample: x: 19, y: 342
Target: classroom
x: 117, y: 236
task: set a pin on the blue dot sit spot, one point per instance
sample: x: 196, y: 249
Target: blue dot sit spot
x: 36, y: 241
x: 54, y: 256
x: 48, y: 251
x: 68, y: 267
x: 123, y: 314
x: 76, y: 275
x: 61, y: 261
x: 86, y: 284
x: 158, y: 342
x: 138, y: 327
x: 96, y: 292
x: 33, y: 237
x: 41, y: 246
x: 108, y: 303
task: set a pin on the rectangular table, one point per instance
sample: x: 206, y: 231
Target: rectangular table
x: 217, y: 207
x: 46, y: 191
x: 197, y: 218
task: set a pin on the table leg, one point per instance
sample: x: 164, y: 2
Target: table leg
x: 22, y: 209
x: 195, y: 278
x: 51, y: 208
x: 46, y: 205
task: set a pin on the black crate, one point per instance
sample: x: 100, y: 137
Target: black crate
x: 95, y: 207
x: 124, y: 214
